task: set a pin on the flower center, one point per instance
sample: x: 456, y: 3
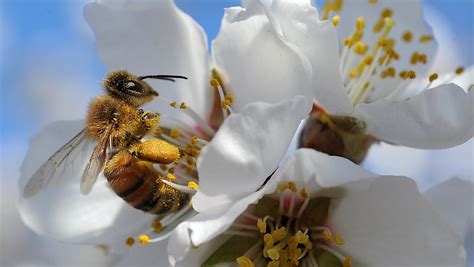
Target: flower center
x: 294, y: 235
x: 182, y: 174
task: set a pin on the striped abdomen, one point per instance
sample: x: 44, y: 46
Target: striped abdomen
x: 136, y: 182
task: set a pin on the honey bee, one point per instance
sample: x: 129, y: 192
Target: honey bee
x: 117, y: 126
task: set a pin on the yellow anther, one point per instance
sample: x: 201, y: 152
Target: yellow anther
x: 425, y: 38
x: 170, y: 177
x: 193, y: 185
x: 372, y: 1
x: 433, y: 77
x: 301, y: 238
x: 130, y: 241
x: 245, y: 262
x: 327, y: 235
x: 225, y: 104
x: 172, y: 170
x: 262, y: 226
x: 378, y: 25
x: 268, y: 239
x: 183, y: 105
x: 214, y: 83
x: 407, y: 36
x: 174, y: 133
x: 459, y: 70
x: 360, y: 23
x: 279, y: 234
x: 144, y: 239
x: 292, y: 186
x: 173, y: 104
x: 368, y: 60
x: 195, y: 140
x: 157, y: 226
x: 336, y: 20
x: 360, y: 48
x: 389, y: 22
x: 274, y: 264
x: 229, y: 98
x: 308, y: 245
x: 303, y: 193
x: 414, y: 58
x: 347, y: 262
x: 273, y: 254
x: 348, y: 42
x: 338, y: 239
x: 353, y: 73
x: 387, y: 12
x: 282, y: 186
x: 412, y: 74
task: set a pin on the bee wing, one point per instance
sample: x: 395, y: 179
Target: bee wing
x: 96, y: 162
x: 52, y: 170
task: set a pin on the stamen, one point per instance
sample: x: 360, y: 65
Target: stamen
x: 407, y: 36
x: 193, y: 185
x: 425, y: 38
x: 130, y: 241
x: 179, y: 187
x: 157, y: 226
x: 245, y: 262
x: 335, y: 20
x: 459, y: 70
x: 433, y: 77
x: 144, y: 239
x: 262, y: 226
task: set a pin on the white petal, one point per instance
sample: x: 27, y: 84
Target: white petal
x: 246, y: 150
x: 408, y: 16
x: 386, y: 222
x: 154, y: 37
x: 257, y: 64
x: 438, y: 118
x: 315, y: 171
x: 206, y: 226
x: 453, y: 200
x: 61, y: 211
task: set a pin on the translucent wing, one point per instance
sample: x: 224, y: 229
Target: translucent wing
x: 96, y: 162
x: 51, y: 171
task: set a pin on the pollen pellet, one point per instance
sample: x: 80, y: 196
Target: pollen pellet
x: 144, y: 239
x: 157, y: 151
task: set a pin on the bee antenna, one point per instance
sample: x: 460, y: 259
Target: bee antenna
x: 163, y: 77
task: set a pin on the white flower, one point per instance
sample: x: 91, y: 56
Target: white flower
x: 332, y: 211
x: 155, y: 37
x: 452, y: 199
x: 386, y: 45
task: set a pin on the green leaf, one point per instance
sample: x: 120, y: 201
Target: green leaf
x: 233, y: 248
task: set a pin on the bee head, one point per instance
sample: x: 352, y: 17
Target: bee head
x: 131, y: 88
x: 128, y: 87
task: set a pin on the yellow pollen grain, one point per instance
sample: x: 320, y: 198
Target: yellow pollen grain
x: 214, y: 83
x: 193, y: 185
x: 279, y: 234
x: 360, y: 23
x: 303, y: 193
x: 262, y: 226
x: 425, y: 38
x: 459, y: 70
x: 273, y: 254
x: 173, y: 104
x: 292, y: 186
x: 170, y: 177
x: 327, y: 235
x: 144, y: 239
x: 175, y: 134
x: 244, y: 261
x: 183, y: 105
x: 347, y: 262
x: 157, y: 226
x: 336, y: 20
x: 386, y: 13
x: 130, y: 241
x: 338, y: 239
x: 433, y: 77
x: 282, y: 186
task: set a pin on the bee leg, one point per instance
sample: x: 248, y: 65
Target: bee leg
x: 155, y: 151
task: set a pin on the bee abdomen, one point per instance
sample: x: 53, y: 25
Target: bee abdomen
x: 136, y: 183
